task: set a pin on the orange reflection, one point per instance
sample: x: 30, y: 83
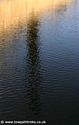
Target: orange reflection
x: 14, y: 11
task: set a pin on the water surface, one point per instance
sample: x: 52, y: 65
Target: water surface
x: 39, y: 61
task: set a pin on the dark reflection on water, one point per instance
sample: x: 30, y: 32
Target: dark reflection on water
x: 33, y: 65
x: 39, y: 66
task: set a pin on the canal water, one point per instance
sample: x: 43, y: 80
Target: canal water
x: 39, y: 61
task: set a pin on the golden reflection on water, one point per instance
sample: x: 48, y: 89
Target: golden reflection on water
x: 13, y: 12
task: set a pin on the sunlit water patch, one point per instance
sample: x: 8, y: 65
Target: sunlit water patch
x: 13, y: 12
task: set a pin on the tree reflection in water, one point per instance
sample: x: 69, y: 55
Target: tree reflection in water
x: 33, y: 65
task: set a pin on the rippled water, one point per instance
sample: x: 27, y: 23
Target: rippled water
x: 39, y: 61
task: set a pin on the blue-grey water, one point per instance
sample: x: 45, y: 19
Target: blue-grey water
x: 39, y: 65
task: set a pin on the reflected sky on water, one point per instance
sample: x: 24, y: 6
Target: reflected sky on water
x: 13, y: 12
x: 39, y: 62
